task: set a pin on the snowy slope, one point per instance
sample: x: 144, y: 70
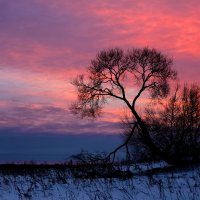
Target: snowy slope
x: 53, y: 185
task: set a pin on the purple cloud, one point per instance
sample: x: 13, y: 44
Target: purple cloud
x: 44, y: 44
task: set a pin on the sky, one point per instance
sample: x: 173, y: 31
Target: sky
x: 44, y: 44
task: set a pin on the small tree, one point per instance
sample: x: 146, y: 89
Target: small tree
x: 175, y: 126
x: 109, y: 76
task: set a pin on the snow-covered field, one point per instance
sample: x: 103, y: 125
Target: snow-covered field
x: 59, y: 185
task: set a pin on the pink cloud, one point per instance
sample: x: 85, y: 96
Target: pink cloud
x: 45, y: 43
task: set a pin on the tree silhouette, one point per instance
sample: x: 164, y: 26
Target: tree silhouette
x: 175, y: 126
x: 110, y: 75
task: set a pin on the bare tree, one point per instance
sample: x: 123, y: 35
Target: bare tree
x: 110, y: 75
x: 175, y: 126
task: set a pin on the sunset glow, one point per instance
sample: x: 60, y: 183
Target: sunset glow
x: 44, y: 44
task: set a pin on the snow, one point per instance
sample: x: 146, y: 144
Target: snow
x: 59, y: 185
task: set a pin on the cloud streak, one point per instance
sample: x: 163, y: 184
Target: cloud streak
x: 45, y: 43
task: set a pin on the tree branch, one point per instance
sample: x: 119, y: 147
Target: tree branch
x: 122, y: 145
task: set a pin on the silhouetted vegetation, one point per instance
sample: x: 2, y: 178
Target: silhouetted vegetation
x: 172, y: 134
x: 174, y: 125
x: 98, y: 165
x: 32, y: 181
